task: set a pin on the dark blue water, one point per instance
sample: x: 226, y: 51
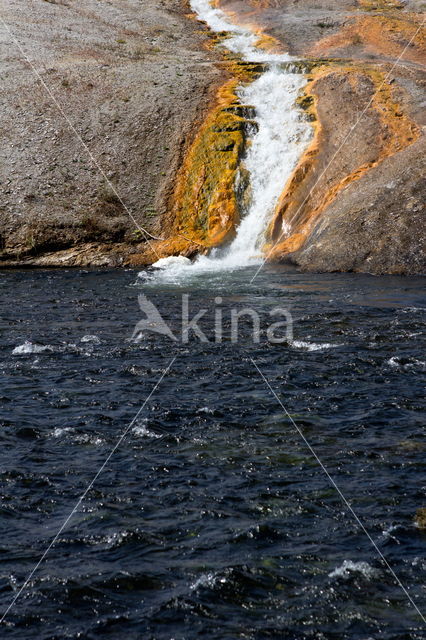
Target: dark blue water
x: 212, y: 519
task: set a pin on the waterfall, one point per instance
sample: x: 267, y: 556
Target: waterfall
x: 274, y: 152
x: 274, y: 149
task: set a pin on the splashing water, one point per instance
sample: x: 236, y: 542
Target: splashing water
x: 273, y: 154
x: 281, y: 138
x: 242, y: 41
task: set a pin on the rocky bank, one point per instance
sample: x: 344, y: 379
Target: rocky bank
x: 143, y: 86
x: 133, y: 79
x: 356, y: 202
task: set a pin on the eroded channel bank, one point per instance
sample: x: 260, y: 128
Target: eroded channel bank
x: 355, y: 202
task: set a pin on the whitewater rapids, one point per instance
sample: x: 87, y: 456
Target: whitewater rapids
x: 274, y: 149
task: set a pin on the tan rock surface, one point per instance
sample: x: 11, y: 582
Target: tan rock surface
x: 134, y: 79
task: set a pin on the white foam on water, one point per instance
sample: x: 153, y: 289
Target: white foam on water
x: 208, y: 581
x: 241, y: 41
x: 411, y: 363
x: 30, y: 347
x: 312, y: 346
x: 86, y: 438
x: 205, y: 410
x: 393, y: 362
x: 58, y: 432
x: 142, y: 431
x: 91, y: 339
x: 115, y: 539
x: 413, y: 309
x: 166, y: 263
x: 282, y: 136
x: 348, y: 568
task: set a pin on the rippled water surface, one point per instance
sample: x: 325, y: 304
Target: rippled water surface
x: 212, y: 519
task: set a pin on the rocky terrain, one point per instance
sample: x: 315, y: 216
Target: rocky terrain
x: 142, y: 86
x: 132, y: 79
x: 356, y: 201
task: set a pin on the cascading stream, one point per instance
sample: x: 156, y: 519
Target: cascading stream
x: 273, y: 154
x: 273, y: 151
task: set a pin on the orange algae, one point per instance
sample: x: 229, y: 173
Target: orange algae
x: 380, y: 5
x: 389, y: 35
x: 205, y: 203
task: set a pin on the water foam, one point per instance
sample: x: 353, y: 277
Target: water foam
x: 272, y: 156
x: 142, y: 430
x: 207, y: 581
x: 242, y: 40
x: 166, y: 263
x: 312, y: 346
x: 348, y: 568
x: 30, y: 347
x: 274, y: 149
x: 91, y: 339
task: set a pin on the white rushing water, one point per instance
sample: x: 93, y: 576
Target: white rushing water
x: 273, y: 152
x: 242, y: 40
